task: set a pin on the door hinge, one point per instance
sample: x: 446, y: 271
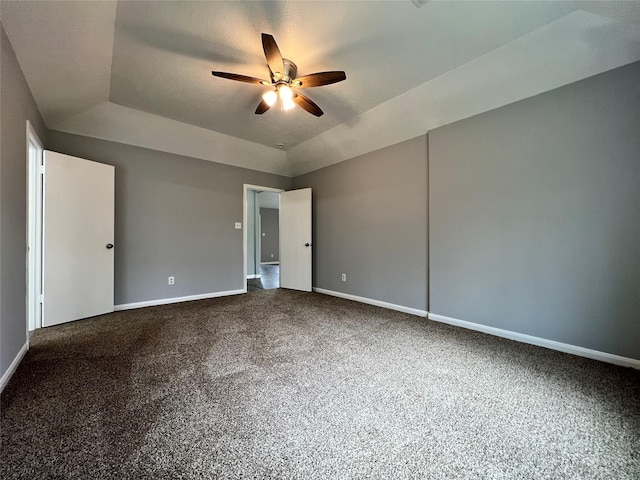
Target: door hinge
x: 41, y: 298
x: 41, y: 169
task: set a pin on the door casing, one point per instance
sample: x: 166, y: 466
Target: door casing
x: 35, y: 150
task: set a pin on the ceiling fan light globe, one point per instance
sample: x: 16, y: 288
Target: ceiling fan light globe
x: 286, y: 93
x: 270, y: 97
x: 287, y: 104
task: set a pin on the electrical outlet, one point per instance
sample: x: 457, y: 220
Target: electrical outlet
x: 272, y: 255
x: 344, y: 277
x: 172, y: 280
x: 238, y: 225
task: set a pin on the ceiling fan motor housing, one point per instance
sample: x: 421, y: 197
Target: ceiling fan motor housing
x: 290, y: 70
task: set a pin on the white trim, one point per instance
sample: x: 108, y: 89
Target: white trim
x: 12, y: 368
x: 269, y: 263
x: 540, y: 342
x: 33, y: 132
x: 370, y: 301
x: 35, y: 170
x: 255, y: 275
x: 166, y: 301
x: 258, y: 232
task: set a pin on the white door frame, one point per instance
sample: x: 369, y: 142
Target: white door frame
x: 246, y: 188
x: 34, y: 229
x: 259, y: 242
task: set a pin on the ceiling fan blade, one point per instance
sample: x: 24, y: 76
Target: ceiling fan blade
x: 240, y: 78
x: 308, y: 105
x: 262, y: 107
x: 272, y: 53
x: 319, y: 79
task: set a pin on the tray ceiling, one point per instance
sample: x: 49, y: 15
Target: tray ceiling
x: 140, y: 72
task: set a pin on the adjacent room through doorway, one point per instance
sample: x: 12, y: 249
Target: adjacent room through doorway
x: 263, y: 227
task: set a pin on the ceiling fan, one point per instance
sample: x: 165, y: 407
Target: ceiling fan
x: 283, y: 80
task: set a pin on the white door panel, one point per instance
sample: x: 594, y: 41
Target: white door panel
x: 295, y: 239
x: 78, y: 225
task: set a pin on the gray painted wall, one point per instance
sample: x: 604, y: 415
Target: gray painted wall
x: 370, y: 222
x: 270, y: 240
x: 175, y: 215
x: 16, y: 106
x: 535, y: 215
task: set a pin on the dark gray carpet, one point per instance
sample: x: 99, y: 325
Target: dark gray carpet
x: 282, y: 384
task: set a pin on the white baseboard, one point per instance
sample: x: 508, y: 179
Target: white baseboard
x: 12, y: 368
x: 255, y: 275
x: 370, y: 301
x: 540, y: 342
x: 166, y: 301
x: 269, y: 263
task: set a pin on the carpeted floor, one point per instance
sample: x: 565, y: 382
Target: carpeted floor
x: 283, y: 384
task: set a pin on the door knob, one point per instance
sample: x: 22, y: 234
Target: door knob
x: 307, y: 244
x: 109, y: 246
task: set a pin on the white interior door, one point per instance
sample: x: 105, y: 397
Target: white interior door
x: 295, y: 239
x: 78, y: 232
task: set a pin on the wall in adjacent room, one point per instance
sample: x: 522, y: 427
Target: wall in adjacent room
x: 370, y: 222
x: 270, y: 231
x: 175, y: 215
x: 535, y: 215
x: 16, y: 106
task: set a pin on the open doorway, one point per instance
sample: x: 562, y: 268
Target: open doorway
x: 295, y: 234
x: 268, y: 244
x: 262, y: 243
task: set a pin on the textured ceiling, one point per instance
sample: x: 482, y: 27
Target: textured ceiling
x: 140, y: 72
